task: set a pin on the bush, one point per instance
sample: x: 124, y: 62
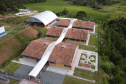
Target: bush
x: 106, y: 80
x: 108, y: 67
x: 81, y: 14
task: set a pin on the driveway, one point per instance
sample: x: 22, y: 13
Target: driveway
x: 23, y: 71
x: 49, y: 77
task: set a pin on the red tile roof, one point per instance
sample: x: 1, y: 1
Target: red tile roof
x: 59, y: 54
x: 83, y: 24
x: 64, y: 22
x: 63, y: 55
x: 36, y: 48
x: 55, y: 31
x: 79, y: 34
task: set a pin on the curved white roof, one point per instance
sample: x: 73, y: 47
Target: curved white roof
x: 45, y: 17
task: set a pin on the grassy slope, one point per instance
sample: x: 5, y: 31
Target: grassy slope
x: 59, y: 5
x: 12, y: 25
x: 13, y: 45
x: 115, y: 11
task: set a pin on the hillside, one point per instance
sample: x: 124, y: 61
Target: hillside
x: 11, y: 47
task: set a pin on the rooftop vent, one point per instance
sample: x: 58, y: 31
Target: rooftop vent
x: 72, y: 28
x: 63, y: 46
x: 54, y: 27
x: 83, y: 29
x: 45, y: 43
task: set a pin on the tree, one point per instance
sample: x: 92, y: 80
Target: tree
x: 81, y: 14
x: 118, y: 80
x: 65, y: 12
x: 108, y: 68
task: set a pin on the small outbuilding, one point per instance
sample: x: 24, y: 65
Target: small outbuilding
x: 84, y: 25
x: 77, y: 36
x: 2, y: 31
x: 63, y: 22
x: 54, y: 32
x: 36, y: 49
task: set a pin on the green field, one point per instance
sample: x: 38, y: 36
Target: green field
x: 59, y: 5
x: 12, y: 67
x: 93, y: 40
x: 71, y: 80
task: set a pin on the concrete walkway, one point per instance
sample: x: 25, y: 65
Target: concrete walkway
x: 25, y: 62
x: 53, y: 24
x: 88, y: 39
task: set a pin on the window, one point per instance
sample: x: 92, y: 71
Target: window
x: 52, y: 62
x: 67, y: 66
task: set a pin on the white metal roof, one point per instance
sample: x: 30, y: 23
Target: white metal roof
x: 45, y: 17
x: 2, y: 29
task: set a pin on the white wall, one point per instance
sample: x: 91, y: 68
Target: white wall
x: 2, y: 29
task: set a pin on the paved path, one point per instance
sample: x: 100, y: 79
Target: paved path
x: 53, y: 24
x: 23, y: 71
x: 25, y: 62
x: 49, y: 77
x: 88, y: 39
x: 93, y: 81
x: 89, y: 69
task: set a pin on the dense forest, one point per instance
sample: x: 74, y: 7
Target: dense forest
x: 94, y: 3
x: 113, y: 50
x: 14, y: 5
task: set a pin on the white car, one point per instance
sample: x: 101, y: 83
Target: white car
x: 18, y: 14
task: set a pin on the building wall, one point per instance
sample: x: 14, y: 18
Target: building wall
x: 2, y: 31
x: 67, y: 68
x: 91, y: 30
x: 53, y: 38
x: 52, y: 64
x: 30, y: 59
x: 75, y: 54
x: 59, y: 65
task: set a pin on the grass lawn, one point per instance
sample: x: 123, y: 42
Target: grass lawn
x: 12, y: 25
x: 42, y: 30
x: 85, y: 74
x: 93, y: 57
x: 14, y: 81
x: 59, y: 5
x: 71, y: 80
x: 115, y: 11
x: 80, y: 64
x: 87, y: 48
x: 93, y: 40
x: 96, y: 29
x: 1, y: 83
x: 12, y: 67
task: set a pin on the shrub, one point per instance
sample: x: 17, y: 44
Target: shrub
x: 81, y: 14
x: 108, y: 67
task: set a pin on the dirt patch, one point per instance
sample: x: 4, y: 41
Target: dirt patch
x: 12, y: 45
x: 8, y: 47
x: 29, y: 32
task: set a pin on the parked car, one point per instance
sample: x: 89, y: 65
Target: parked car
x: 2, y: 16
x: 18, y: 14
